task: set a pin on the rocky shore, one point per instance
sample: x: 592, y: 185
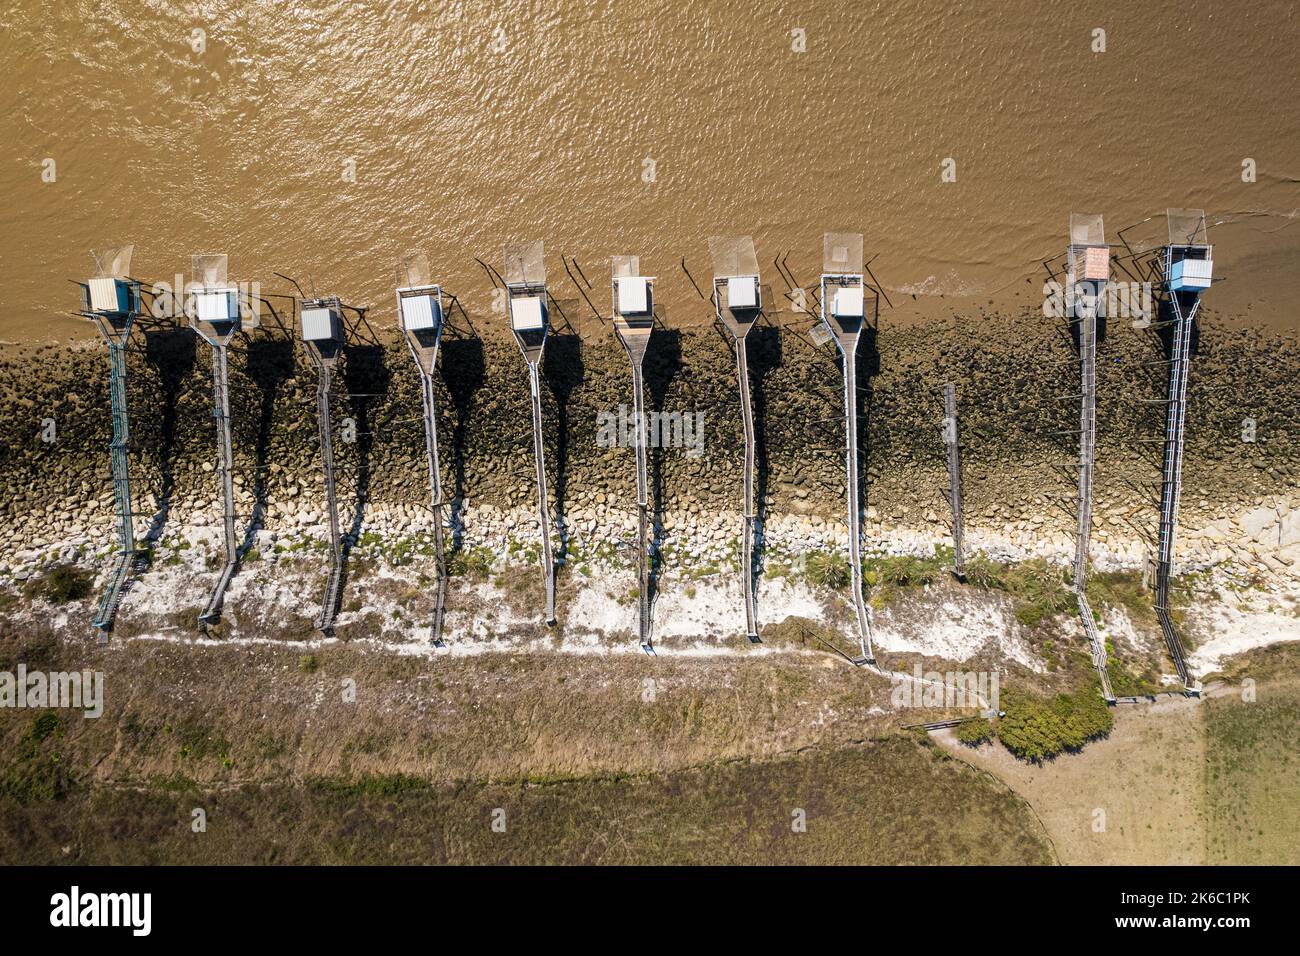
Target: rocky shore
x: 1015, y: 381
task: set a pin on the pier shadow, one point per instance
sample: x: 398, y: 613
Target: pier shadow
x: 1166, y: 325
x: 269, y: 364
x: 764, y: 357
x: 1152, y: 414
x: 563, y: 370
x: 366, y: 378
x: 663, y: 363
x: 463, y: 372
x: 1074, y: 326
x: 173, y: 354
x: 868, y: 367
x: 1074, y: 331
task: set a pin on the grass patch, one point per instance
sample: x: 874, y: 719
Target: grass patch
x: 198, y: 743
x: 887, y: 575
x: 888, y: 801
x: 472, y: 563
x: 378, y: 785
x: 37, y: 771
x: 1124, y: 682
x: 61, y: 584
x: 828, y: 569
x: 1122, y: 589
x: 1252, y: 776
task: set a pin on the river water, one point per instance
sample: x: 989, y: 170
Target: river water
x: 325, y: 139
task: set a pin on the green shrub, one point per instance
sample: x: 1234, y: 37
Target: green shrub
x: 475, y: 564
x: 974, y: 732
x: 35, y: 771
x: 886, y: 576
x: 901, y: 571
x: 308, y: 663
x: 1030, y: 615
x: 44, y: 726
x: 983, y: 573
x: 1123, y: 682
x: 377, y: 785
x: 1121, y: 589
x: 1035, y: 728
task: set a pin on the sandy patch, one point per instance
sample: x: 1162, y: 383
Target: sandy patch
x: 1135, y: 797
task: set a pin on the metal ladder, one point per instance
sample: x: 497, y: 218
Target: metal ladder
x: 643, y: 505
x: 1172, y: 475
x: 1087, y: 457
x: 543, y: 507
x: 225, y: 466
x: 436, y: 502
x: 750, y: 514
x: 115, y: 588
x: 333, y: 584
x: 849, y: 355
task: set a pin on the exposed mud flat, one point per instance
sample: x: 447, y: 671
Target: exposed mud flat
x: 1012, y: 369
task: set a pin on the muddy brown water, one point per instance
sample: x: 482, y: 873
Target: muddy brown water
x: 470, y: 125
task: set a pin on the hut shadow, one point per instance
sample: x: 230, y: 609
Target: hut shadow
x: 269, y: 364
x: 564, y: 371
x: 663, y: 362
x: 366, y: 377
x: 1153, y: 413
x: 868, y: 367
x: 764, y: 355
x: 463, y: 372
x: 1166, y: 325
x: 173, y: 353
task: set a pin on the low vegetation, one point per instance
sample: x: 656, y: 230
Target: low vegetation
x: 1039, y: 589
x: 584, y: 767
x: 828, y: 569
x: 1125, y: 681
x: 1124, y: 590
x: 1037, y: 728
x: 889, y: 801
x: 889, y: 574
x: 61, y: 584
x: 472, y: 563
x: 975, y: 732
x: 35, y: 770
x: 1252, y: 775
